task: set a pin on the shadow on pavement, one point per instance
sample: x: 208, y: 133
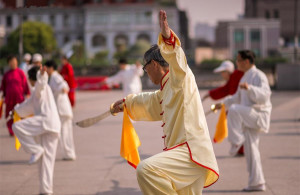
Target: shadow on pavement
x: 117, y: 190
x: 286, y: 120
x: 286, y: 157
x: 18, y: 162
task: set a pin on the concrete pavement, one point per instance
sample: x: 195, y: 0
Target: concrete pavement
x: 99, y: 169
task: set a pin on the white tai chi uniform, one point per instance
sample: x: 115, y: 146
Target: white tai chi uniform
x: 44, y: 125
x: 249, y: 113
x: 188, y: 162
x: 57, y: 84
x: 130, y: 79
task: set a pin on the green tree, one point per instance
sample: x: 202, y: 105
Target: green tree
x: 101, y: 58
x: 38, y: 37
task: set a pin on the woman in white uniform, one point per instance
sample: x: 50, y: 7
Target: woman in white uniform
x: 60, y: 91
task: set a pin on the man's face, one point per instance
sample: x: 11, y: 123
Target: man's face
x: 13, y: 63
x: 240, y: 62
x: 64, y: 61
x: 122, y: 66
x: 49, y: 70
x: 153, y: 72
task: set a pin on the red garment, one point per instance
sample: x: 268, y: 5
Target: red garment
x: 14, y: 87
x: 229, y: 88
x: 67, y: 73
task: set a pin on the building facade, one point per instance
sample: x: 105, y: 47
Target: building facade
x: 282, y: 10
x: 259, y: 35
x: 99, y: 24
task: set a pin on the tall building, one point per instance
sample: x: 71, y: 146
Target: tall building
x: 99, y: 24
x: 259, y: 35
x: 282, y: 10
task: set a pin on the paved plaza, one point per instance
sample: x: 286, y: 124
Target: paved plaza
x: 99, y: 169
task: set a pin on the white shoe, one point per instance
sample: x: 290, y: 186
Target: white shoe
x: 234, y: 149
x: 35, y: 157
x: 260, y: 187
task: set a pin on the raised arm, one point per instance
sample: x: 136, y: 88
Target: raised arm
x: 171, y: 51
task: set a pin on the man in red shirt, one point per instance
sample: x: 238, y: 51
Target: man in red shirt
x: 67, y: 73
x: 14, y: 87
x: 233, y: 77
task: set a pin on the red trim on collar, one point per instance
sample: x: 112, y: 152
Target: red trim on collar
x: 162, y: 113
x: 161, y: 102
x: 161, y: 85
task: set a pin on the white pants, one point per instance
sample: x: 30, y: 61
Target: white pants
x: 66, y: 138
x: 171, y: 172
x: 243, y: 128
x: 27, y: 130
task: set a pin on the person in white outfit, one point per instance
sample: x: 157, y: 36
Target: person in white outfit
x: 44, y: 125
x: 249, y: 111
x: 25, y: 64
x: 129, y: 76
x: 60, y: 91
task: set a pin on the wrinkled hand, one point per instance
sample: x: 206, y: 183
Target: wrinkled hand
x: 118, y: 106
x: 244, y: 86
x: 163, y: 23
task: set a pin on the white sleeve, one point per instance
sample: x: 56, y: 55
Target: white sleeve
x: 260, y: 91
x: 25, y: 109
x: 42, y: 81
x: 115, y: 79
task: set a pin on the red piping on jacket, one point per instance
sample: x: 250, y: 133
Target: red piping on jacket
x: 162, y: 85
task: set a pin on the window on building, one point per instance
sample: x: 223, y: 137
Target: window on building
x: 66, y: 20
x: 52, y: 20
x: 239, y: 35
x: 276, y: 13
x: 98, y: 40
x: 66, y: 39
x: 267, y: 14
x: 257, y: 52
x: 8, y: 21
x: 25, y: 18
x: 255, y: 35
x: 121, y: 41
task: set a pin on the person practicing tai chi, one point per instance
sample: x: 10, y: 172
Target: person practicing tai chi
x: 60, y: 91
x: 43, y: 125
x: 188, y: 162
x: 232, y: 78
x: 249, y: 111
x: 67, y: 72
x: 15, y: 89
x: 129, y: 76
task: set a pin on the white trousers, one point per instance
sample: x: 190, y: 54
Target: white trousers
x: 27, y: 130
x: 243, y: 128
x: 171, y: 172
x: 66, y: 138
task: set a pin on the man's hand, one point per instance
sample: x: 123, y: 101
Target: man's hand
x: 64, y: 90
x: 43, y: 70
x: 244, y: 86
x: 118, y: 106
x: 164, y: 27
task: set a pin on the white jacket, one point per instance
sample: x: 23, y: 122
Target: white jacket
x: 41, y: 103
x: 57, y: 84
x: 130, y: 79
x: 257, y: 96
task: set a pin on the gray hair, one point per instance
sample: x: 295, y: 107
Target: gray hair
x: 154, y: 54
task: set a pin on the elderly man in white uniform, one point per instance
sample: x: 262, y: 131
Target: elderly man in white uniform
x: 44, y: 125
x: 129, y: 76
x: 60, y: 91
x: 249, y: 111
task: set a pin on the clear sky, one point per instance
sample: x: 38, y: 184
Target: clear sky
x: 210, y: 11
